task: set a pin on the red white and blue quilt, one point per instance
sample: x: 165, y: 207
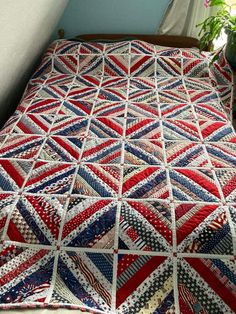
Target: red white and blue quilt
x: 118, y: 183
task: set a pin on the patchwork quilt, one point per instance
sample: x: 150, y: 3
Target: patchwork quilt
x: 118, y: 183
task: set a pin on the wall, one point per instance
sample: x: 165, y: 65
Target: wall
x: 25, y: 29
x: 112, y: 16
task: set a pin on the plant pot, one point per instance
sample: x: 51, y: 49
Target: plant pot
x: 230, y: 51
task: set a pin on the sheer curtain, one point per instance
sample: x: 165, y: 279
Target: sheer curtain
x: 182, y: 16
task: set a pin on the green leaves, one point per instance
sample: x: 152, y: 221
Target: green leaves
x: 232, y: 23
x: 217, y: 2
x: 211, y: 28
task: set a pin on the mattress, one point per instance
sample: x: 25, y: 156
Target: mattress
x: 118, y: 183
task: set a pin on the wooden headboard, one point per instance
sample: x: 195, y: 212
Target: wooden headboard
x: 162, y: 40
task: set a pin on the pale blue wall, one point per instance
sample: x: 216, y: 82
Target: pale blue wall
x: 112, y: 16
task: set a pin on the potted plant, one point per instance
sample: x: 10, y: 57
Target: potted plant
x: 212, y: 27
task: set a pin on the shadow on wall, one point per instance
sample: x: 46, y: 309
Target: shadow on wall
x: 111, y: 16
x: 10, y: 101
x: 24, y: 37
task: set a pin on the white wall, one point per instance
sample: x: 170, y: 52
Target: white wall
x: 25, y: 29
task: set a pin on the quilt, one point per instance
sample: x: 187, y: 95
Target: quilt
x: 118, y: 183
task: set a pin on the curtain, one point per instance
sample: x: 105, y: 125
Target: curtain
x: 182, y: 16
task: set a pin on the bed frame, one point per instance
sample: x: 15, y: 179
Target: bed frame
x: 162, y: 40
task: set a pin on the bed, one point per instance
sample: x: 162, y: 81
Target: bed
x: 118, y: 183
